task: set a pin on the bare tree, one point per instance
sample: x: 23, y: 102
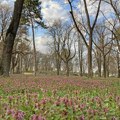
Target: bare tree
x: 90, y: 30
x: 116, y: 39
x: 68, y: 42
x: 115, y: 6
x: 56, y: 32
x: 62, y: 34
x: 5, y: 15
x: 116, y: 33
x: 105, y: 42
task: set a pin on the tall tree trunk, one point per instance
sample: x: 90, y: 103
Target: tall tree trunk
x: 58, y: 72
x: 99, y: 66
x: 118, y: 63
x: 90, y: 71
x: 80, y: 54
x: 81, y: 64
x: 21, y: 64
x: 67, y: 68
x: 107, y: 66
x: 107, y: 70
x: 13, y: 64
x: 98, y: 60
x: 10, y: 37
x: 58, y: 68
x: 104, y: 66
x: 58, y: 64
x: 91, y: 29
x: 34, y: 48
x: 119, y: 71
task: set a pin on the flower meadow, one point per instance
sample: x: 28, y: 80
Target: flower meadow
x: 59, y: 98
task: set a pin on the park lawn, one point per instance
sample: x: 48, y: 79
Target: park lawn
x: 59, y: 98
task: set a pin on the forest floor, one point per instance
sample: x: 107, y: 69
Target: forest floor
x: 24, y: 97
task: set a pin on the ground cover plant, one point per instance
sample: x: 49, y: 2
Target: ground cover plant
x: 59, y: 98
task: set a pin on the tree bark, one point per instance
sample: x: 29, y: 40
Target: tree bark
x: 10, y: 37
x: 104, y: 66
x: 119, y: 71
x: 90, y: 71
x: 107, y: 66
x: 67, y: 68
x: 90, y: 29
x: 58, y: 67
x: 99, y: 65
x: 80, y: 54
x: 98, y: 60
x: 118, y: 63
x: 34, y: 48
x: 81, y: 64
x: 58, y: 61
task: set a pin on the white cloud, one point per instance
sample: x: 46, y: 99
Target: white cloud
x: 9, y: 3
x: 90, y: 6
x: 41, y: 43
x: 92, y: 9
x: 52, y: 11
x: 4, y: 2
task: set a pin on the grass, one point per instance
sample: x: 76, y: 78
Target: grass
x: 59, y: 98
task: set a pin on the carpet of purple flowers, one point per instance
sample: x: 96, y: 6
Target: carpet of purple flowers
x: 59, y: 98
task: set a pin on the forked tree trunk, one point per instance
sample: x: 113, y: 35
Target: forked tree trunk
x: 10, y: 37
x: 91, y: 28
